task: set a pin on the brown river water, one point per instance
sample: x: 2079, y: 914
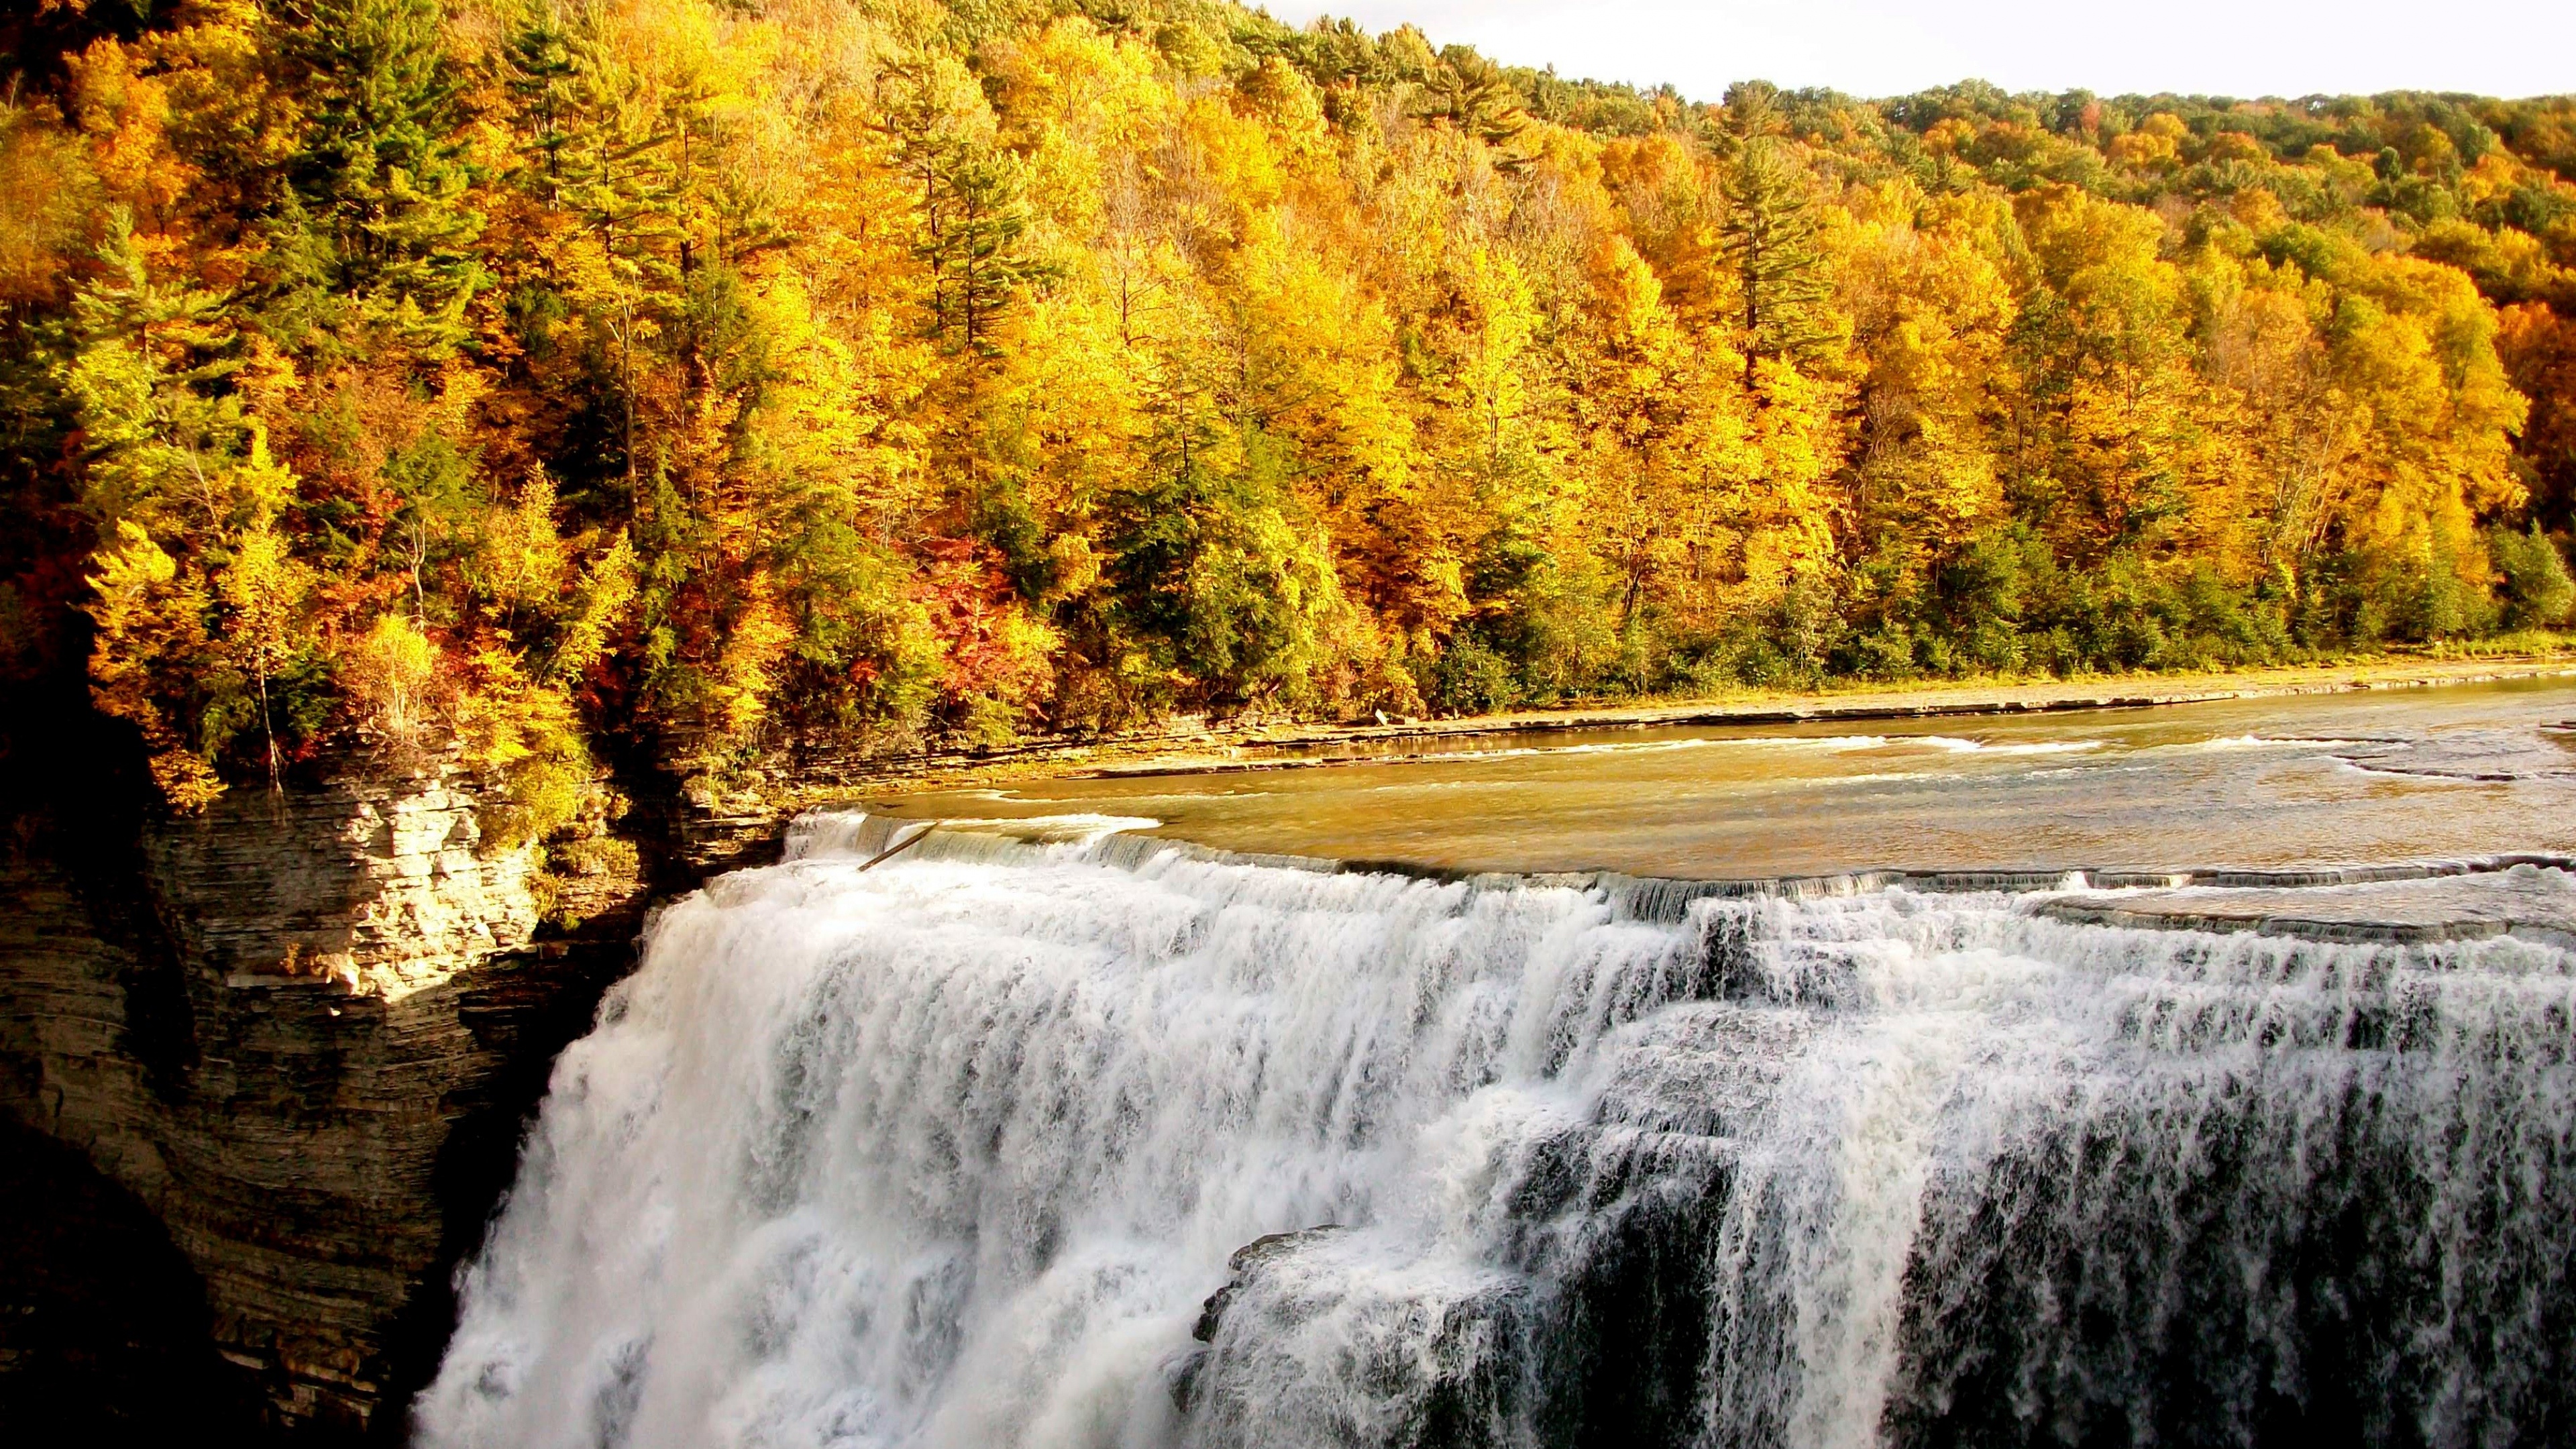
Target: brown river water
x: 2330, y: 779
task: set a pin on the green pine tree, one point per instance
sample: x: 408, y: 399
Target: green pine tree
x: 380, y: 178
x: 541, y: 77
x: 974, y: 227
x: 1472, y: 93
x: 1769, y: 232
x: 146, y: 377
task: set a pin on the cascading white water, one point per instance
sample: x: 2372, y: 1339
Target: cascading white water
x: 1101, y: 1142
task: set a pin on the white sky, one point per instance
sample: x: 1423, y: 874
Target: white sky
x: 2244, y: 49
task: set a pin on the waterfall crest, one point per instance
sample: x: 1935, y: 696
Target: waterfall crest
x: 1066, y: 1137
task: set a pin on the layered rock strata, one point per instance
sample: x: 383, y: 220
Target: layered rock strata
x: 303, y: 1029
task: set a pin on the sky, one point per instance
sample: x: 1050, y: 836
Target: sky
x: 2240, y: 48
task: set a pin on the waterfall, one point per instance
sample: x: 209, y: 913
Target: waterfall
x: 1063, y: 1137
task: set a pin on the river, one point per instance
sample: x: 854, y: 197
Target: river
x: 2346, y: 777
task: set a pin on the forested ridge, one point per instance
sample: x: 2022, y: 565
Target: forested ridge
x: 515, y: 380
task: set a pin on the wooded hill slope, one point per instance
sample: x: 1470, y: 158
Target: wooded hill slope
x: 510, y: 377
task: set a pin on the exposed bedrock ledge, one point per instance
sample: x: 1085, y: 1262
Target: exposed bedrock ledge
x: 304, y: 1029
x: 375, y: 887
x: 2524, y: 899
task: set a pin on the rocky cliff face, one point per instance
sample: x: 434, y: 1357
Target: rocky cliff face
x: 375, y: 889
x: 279, y: 1057
x: 303, y: 1029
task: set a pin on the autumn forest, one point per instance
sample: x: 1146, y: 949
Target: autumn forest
x: 527, y: 380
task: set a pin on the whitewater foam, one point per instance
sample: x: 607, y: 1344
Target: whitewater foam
x: 1951, y: 744
x: 2270, y: 742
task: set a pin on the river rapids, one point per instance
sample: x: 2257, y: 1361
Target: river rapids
x: 1088, y: 1139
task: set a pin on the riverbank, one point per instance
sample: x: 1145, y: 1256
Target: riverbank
x: 1267, y: 743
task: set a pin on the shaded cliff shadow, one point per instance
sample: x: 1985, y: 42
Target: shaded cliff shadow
x: 103, y: 1325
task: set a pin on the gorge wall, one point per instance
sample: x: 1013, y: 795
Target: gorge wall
x: 302, y: 1031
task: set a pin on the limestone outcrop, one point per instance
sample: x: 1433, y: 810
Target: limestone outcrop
x: 303, y: 1028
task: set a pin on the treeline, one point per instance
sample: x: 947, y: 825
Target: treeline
x: 509, y: 376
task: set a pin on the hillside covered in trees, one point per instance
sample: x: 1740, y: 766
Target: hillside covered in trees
x: 532, y: 379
